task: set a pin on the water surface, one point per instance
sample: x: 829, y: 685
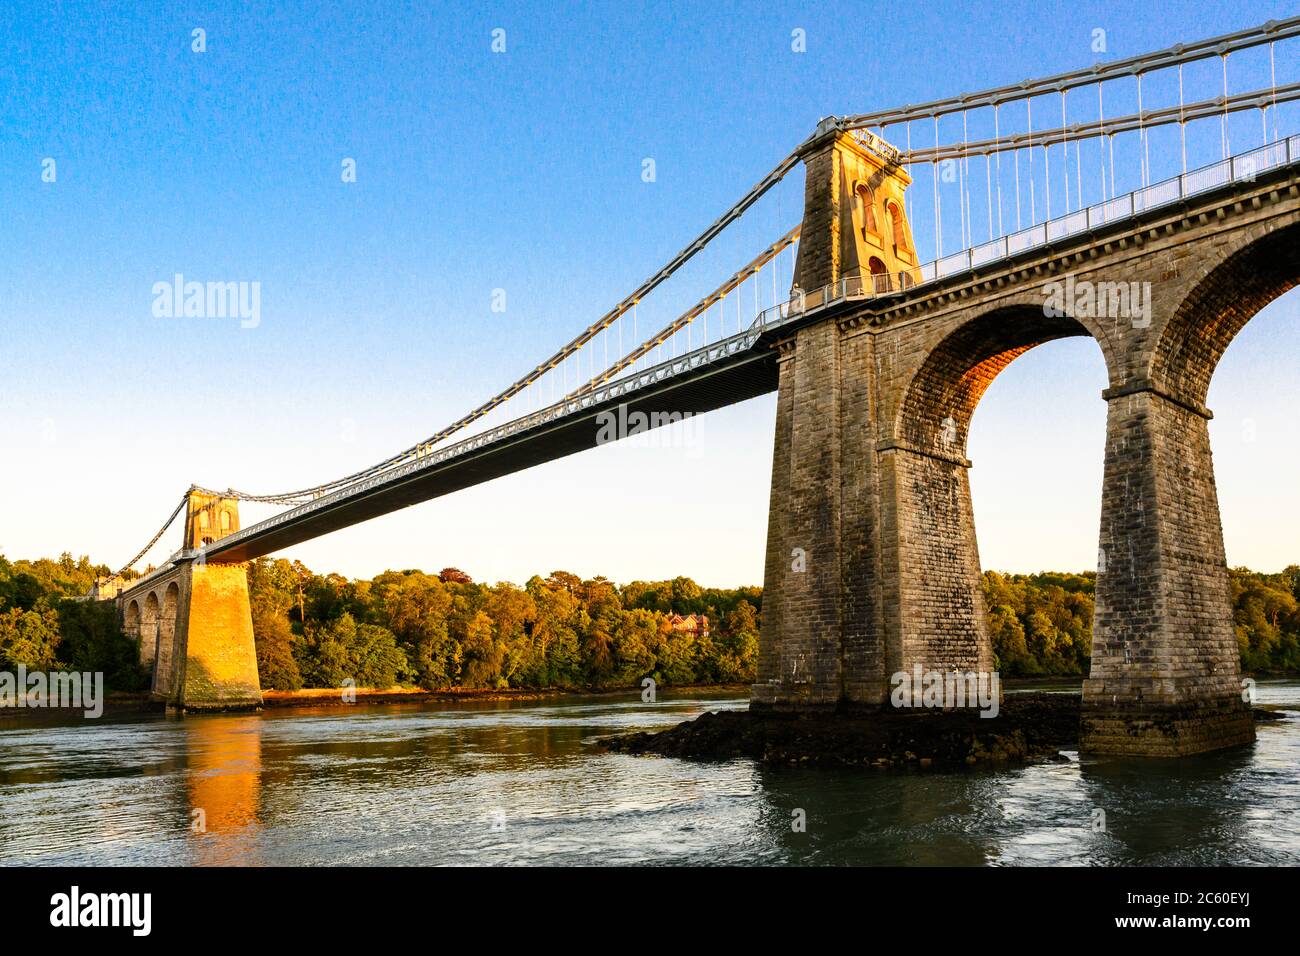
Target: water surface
x: 492, y: 783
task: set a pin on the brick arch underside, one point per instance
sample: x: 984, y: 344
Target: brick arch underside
x: 955, y: 375
x: 1229, y: 296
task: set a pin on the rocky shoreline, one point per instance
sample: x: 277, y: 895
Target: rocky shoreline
x: 1029, y: 727
x: 333, y: 696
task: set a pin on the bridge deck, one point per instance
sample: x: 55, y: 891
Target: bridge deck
x: 722, y: 374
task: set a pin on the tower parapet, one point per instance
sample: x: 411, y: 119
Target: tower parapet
x: 855, y: 216
x: 209, y: 518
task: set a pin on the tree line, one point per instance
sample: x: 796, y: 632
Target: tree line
x: 1041, y: 624
x: 43, y: 627
x: 445, y: 630
x: 560, y: 631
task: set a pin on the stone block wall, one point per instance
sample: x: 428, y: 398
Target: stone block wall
x: 939, y: 613
x: 220, y: 667
x: 869, y: 477
x: 201, y: 648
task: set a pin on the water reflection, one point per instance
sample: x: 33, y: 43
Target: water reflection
x: 1154, y: 806
x: 496, y: 783
x: 223, y: 787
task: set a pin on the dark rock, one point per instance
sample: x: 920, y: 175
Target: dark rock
x: 1028, y: 726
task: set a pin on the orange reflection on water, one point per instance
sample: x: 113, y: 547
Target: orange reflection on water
x: 224, y: 779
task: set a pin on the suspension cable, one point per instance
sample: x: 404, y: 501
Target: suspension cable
x: 700, y: 308
x: 1269, y: 32
x: 154, y: 540
x: 304, y: 495
x: 1109, y: 126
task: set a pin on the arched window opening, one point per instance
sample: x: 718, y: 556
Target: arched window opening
x: 879, y: 275
x: 896, y: 225
x: 866, y: 200
x: 225, y: 521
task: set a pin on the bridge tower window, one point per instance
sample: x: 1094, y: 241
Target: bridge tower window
x: 225, y: 521
x: 896, y: 225
x: 879, y: 273
x: 866, y: 200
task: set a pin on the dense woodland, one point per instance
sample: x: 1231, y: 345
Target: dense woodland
x: 445, y: 630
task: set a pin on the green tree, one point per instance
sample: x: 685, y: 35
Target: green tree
x: 91, y: 640
x: 483, y: 655
x: 636, y: 638
x: 375, y: 658
x: 415, y: 607
x: 272, y: 589
x: 30, y: 638
x: 737, y: 646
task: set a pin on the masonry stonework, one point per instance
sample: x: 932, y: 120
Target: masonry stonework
x: 1164, y: 677
x: 220, y: 669
x: 193, y: 620
x: 870, y: 479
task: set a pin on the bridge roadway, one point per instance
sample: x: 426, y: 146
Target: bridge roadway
x: 722, y: 374
x: 732, y: 370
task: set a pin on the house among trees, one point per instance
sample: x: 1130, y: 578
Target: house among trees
x: 696, y: 624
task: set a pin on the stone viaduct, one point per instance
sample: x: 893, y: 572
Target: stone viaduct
x: 872, y: 564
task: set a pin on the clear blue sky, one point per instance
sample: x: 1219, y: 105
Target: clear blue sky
x: 478, y: 171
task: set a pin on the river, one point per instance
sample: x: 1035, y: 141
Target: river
x: 492, y: 783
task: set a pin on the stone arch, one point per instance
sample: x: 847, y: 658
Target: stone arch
x: 131, y: 624
x: 897, y: 228
x: 933, y: 596
x: 163, y: 682
x: 935, y: 413
x: 149, y: 629
x: 1203, y: 324
x: 868, y: 218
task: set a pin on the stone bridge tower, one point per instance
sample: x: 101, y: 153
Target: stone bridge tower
x: 208, y: 518
x: 855, y: 219
x: 193, y: 619
x: 847, y: 601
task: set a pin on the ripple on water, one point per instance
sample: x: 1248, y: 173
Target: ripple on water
x: 521, y: 783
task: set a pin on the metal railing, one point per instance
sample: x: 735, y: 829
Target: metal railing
x: 1245, y: 167
x: 622, y: 387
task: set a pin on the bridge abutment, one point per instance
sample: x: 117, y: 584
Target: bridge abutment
x: 198, y: 643
x: 220, y: 659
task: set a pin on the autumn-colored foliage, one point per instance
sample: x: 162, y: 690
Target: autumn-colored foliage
x: 444, y: 630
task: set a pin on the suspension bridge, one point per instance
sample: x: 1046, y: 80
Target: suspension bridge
x: 1161, y: 190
